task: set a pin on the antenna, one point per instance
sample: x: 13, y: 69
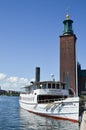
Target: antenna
x: 67, y: 13
x: 67, y: 10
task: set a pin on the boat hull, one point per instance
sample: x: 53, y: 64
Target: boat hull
x: 67, y: 109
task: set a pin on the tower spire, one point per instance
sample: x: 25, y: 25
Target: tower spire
x: 67, y: 14
x: 67, y: 24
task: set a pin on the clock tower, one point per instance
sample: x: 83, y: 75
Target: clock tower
x: 68, y: 55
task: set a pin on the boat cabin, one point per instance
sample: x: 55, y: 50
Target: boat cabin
x: 43, y: 85
x: 47, y: 91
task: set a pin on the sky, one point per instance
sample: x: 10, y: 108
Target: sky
x: 29, y: 38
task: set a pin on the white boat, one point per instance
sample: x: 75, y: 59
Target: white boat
x: 50, y: 99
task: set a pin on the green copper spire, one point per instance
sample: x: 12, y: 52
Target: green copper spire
x: 67, y: 26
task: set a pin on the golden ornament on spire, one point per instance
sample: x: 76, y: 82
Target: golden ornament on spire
x: 67, y: 17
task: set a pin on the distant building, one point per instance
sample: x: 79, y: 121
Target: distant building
x: 2, y: 92
x: 81, y: 80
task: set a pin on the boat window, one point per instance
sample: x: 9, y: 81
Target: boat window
x: 43, y: 85
x: 57, y: 86
x: 48, y: 98
x: 49, y: 85
x: 34, y: 87
x: 63, y: 86
x: 53, y: 85
x: 38, y: 86
x: 30, y: 88
x: 27, y: 89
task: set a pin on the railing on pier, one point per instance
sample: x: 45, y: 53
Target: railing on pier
x: 82, y: 106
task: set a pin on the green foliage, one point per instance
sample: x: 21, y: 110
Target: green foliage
x: 10, y: 93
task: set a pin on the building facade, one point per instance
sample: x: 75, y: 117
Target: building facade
x: 81, y: 81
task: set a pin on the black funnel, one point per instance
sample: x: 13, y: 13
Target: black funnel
x: 37, y: 74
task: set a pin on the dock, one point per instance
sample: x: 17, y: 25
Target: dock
x: 83, y: 122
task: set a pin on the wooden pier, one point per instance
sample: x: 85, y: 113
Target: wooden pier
x: 83, y: 122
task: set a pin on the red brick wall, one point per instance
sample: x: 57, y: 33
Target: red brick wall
x: 68, y: 59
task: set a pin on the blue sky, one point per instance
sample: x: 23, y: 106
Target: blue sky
x: 29, y: 37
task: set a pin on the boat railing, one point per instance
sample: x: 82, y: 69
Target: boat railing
x: 50, y: 100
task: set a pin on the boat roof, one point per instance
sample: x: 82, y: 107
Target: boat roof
x: 44, y: 82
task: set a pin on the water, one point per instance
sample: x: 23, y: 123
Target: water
x: 12, y: 117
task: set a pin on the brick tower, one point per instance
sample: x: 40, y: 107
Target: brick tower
x: 68, y: 55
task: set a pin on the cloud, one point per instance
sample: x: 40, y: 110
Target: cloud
x: 32, y: 80
x: 17, y: 80
x: 13, y: 79
x: 23, y: 80
x: 5, y: 85
x: 2, y: 76
x: 13, y: 82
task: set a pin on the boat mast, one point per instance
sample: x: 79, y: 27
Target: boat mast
x: 76, y: 72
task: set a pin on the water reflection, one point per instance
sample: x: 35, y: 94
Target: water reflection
x: 30, y: 121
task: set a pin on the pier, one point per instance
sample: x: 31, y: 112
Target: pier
x: 83, y: 122
x: 82, y: 112
x: 82, y: 106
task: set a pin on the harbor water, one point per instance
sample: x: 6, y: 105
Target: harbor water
x: 12, y: 117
